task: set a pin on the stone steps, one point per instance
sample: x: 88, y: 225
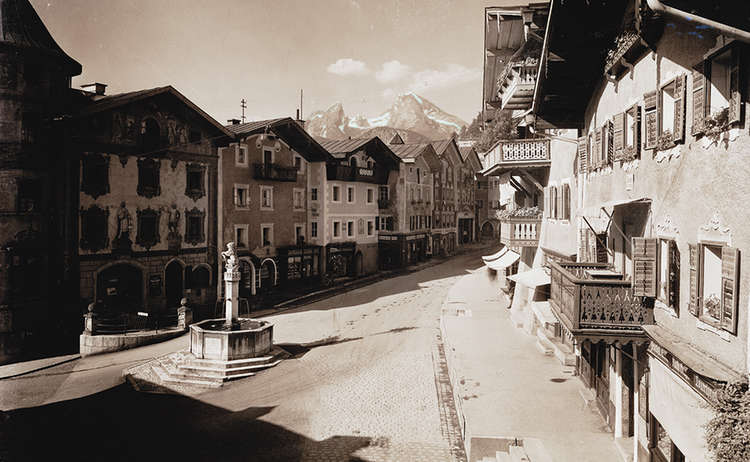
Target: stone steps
x: 543, y: 344
x: 225, y: 373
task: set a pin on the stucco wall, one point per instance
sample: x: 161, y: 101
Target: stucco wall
x: 688, y: 185
x: 560, y: 235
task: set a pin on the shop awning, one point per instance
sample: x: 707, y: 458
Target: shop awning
x: 503, y: 262
x: 595, y: 211
x: 543, y: 312
x: 494, y: 256
x: 534, y: 278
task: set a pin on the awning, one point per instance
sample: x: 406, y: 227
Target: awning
x: 595, y: 211
x: 534, y: 278
x: 495, y: 256
x: 543, y: 312
x: 503, y: 262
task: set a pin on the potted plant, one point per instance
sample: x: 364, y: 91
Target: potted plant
x: 712, y: 304
x: 665, y: 141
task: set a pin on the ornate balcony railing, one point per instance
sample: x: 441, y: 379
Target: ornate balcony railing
x: 274, y: 172
x: 519, y: 153
x: 516, y: 84
x: 520, y: 232
x: 585, y: 303
x: 349, y: 173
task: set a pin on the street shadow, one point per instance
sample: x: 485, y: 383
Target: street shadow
x: 121, y: 424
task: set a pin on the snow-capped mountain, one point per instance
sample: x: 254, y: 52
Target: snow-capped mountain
x: 408, y: 112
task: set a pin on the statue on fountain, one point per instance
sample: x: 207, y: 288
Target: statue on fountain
x: 230, y: 258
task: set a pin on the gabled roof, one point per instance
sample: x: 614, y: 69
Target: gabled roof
x: 374, y: 146
x: 441, y: 147
x: 21, y: 27
x: 410, y: 152
x: 290, y: 131
x: 468, y: 153
x: 340, y: 148
x: 111, y: 102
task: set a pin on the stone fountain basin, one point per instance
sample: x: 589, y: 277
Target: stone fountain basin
x: 206, y: 342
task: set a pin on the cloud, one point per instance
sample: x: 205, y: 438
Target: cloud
x: 449, y: 76
x: 389, y: 93
x: 392, y: 71
x: 348, y: 66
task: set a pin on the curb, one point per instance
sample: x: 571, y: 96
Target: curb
x: 41, y: 368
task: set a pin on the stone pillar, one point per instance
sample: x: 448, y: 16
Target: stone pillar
x: 184, y: 315
x: 231, y: 297
x: 618, y: 392
x: 636, y: 401
x: 89, y: 321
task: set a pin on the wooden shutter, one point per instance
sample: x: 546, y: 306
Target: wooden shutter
x: 674, y: 276
x: 609, y: 153
x: 679, y: 109
x: 735, y: 90
x: 651, y: 122
x: 699, y: 99
x: 730, y: 265
x: 582, y: 154
x: 601, y: 248
x: 566, y: 201
x: 695, y: 302
x: 583, y: 245
x: 598, y: 147
x: 644, y: 266
x: 593, y: 245
x: 591, y: 147
x: 636, y: 109
x: 377, y: 223
x: 619, y: 134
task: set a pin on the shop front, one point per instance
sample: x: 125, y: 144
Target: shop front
x: 299, y: 266
x: 340, y: 259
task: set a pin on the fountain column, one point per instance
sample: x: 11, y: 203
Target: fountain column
x: 231, y: 285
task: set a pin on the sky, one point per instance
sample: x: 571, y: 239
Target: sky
x: 361, y: 53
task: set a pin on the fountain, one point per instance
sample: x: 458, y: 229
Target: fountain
x: 220, y: 349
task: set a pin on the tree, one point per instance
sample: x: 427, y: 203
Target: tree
x: 500, y: 127
x: 728, y: 432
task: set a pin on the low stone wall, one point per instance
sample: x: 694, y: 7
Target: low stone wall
x: 95, y: 344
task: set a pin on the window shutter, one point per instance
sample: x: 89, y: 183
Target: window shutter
x: 236, y: 197
x: 679, y: 109
x: 566, y: 202
x: 674, y: 276
x: 601, y: 248
x: 644, y: 266
x: 377, y: 223
x: 598, y: 150
x: 735, y: 100
x: 637, y: 129
x: 591, y: 147
x: 619, y: 134
x: 695, y: 302
x: 583, y: 246
x: 610, y: 151
x: 560, y: 213
x: 699, y: 99
x: 730, y: 265
x: 582, y: 154
x: 652, y: 129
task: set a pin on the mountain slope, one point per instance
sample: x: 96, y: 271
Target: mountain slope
x: 408, y: 112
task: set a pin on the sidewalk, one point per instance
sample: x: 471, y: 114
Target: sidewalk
x: 506, y: 387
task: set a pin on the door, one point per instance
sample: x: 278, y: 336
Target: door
x: 267, y: 157
x: 120, y: 288
x: 174, y: 284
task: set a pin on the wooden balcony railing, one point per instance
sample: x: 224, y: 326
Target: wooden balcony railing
x: 525, y: 150
x: 583, y: 302
x: 520, y: 232
x: 349, y: 173
x: 516, y: 87
x: 274, y: 172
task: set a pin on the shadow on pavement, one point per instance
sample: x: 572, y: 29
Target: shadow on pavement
x: 121, y: 424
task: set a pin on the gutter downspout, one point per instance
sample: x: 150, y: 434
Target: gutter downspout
x: 658, y: 7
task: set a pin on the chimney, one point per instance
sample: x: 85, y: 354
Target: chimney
x: 297, y: 114
x: 95, y: 88
x: 234, y: 121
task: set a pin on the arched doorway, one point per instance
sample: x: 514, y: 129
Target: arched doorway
x: 488, y: 232
x: 120, y: 288
x: 201, y: 280
x: 247, y: 279
x: 359, y: 268
x: 173, y: 284
x: 267, y: 275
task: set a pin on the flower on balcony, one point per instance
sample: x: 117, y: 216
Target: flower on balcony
x: 629, y: 153
x: 716, y: 124
x: 712, y: 304
x: 665, y: 141
x: 522, y: 212
x: 622, y: 44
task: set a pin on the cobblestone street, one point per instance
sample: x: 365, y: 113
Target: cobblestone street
x: 368, y: 381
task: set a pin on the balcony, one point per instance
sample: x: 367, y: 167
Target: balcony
x: 515, y: 86
x: 348, y: 173
x: 520, y: 231
x: 274, y: 172
x: 590, y: 304
x: 514, y: 154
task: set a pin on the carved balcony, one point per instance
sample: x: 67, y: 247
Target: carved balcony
x: 515, y: 86
x: 520, y: 231
x: 516, y: 154
x: 275, y: 172
x: 594, y: 302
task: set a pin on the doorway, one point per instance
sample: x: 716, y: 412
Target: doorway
x: 173, y: 279
x: 120, y: 288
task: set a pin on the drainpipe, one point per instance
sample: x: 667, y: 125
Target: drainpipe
x: 658, y: 7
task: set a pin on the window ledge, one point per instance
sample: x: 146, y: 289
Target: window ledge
x: 665, y: 308
x: 724, y: 335
x: 266, y: 209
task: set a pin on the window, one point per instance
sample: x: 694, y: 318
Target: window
x: 370, y: 227
x: 671, y: 112
x: 353, y: 162
x: 194, y: 220
x: 266, y: 197
x: 383, y: 193
x: 668, y: 283
x: 299, y: 234
x: 148, y: 228
x: 298, y: 163
x: 336, y: 229
x: 240, y: 236
x: 94, y: 228
x: 241, y: 196
x: 95, y: 175
x: 148, y: 177
x: 240, y: 156
x: 370, y: 195
x: 150, y: 135
x: 664, y: 449
x: 314, y: 194
x: 267, y: 156
x: 350, y: 194
x: 419, y: 176
x: 350, y: 228
x: 314, y: 229
x: 266, y: 235
x: 714, y: 284
x: 650, y: 119
x: 553, y: 202
x: 565, y: 202
x: 336, y: 193
x: 194, y: 183
x: 716, y: 89
x: 298, y: 199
